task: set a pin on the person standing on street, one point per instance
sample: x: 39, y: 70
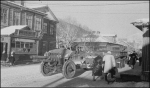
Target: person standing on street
x: 132, y: 60
x: 97, y: 67
x: 12, y: 58
x: 108, y: 64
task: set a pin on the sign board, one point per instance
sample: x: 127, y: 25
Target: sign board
x: 24, y: 40
x: 26, y: 33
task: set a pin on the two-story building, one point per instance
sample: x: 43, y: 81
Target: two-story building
x: 26, y: 31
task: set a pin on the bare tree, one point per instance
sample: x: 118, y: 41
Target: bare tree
x: 67, y: 32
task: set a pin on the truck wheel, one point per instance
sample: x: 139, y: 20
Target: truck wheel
x: 69, y: 69
x: 47, y: 69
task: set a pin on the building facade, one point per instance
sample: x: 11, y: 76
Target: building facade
x: 143, y: 25
x: 42, y: 25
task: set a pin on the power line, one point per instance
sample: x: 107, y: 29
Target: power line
x: 88, y: 5
x: 99, y: 13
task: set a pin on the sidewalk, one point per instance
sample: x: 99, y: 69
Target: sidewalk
x: 127, y: 74
x: 127, y: 70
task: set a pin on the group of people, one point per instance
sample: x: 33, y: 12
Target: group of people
x: 106, y: 65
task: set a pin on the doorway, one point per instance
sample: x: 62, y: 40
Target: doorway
x: 44, y: 47
x: 3, y: 51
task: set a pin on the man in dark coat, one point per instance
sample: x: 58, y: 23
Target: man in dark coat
x: 133, y: 58
x: 97, y: 67
x: 12, y: 58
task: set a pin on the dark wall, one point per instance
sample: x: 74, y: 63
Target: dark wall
x: 145, y: 56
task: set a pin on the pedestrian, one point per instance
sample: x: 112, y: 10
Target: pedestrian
x: 132, y: 60
x: 109, y: 65
x: 12, y: 58
x: 97, y: 67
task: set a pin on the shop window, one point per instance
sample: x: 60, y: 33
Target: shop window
x: 16, y: 18
x: 27, y: 45
x: 22, y: 44
x: 4, y: 16
x: 31, y: 45
x: 13, y: 44
x: 17, y: 44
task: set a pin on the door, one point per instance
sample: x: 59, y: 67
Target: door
x: 44, y: 47
x: 4, y: 51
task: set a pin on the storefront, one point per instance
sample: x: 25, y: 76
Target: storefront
x: 20, y: 39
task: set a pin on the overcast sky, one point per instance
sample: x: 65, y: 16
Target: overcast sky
x: 108, y: 17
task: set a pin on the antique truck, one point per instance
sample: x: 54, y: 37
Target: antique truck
x: 60, y: 61
x: 65, y: 61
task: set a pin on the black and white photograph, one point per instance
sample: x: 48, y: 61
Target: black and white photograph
x: 74, y: 43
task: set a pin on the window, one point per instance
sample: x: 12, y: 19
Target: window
x: 22, y: 44
x: 27, y: 45
x: 37, y: 23
x: 29, y: 20
x: 116, y: 48
x: 31, y: 45
x: 11, y: 17
x: 4, y: 16
x: 102, y: 47
x: 51, y: 29
x: 13, y: 44
x: 45, y: 28
x: 16, y: 18
x: 17, y: 44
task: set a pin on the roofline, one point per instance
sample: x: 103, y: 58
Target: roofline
x: 53, y: 14
x: 21, y: 7
x: 49, y: 11
x: 127, y: 44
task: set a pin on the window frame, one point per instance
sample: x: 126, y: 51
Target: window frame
x: 16, y: 15
x: 45, y: 27
x: 29, y: 20
x: 2, y: 15
x: 38, y: 23
x: 51, y: 32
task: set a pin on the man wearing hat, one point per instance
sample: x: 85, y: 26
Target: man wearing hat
x: 108, y: 64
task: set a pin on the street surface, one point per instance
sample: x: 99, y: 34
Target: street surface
x: 30, y: 76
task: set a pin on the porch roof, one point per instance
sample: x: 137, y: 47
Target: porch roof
x: 139, y: 23
x: 11, y: 29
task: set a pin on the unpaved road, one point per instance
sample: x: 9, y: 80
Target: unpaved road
x: 30, y: 76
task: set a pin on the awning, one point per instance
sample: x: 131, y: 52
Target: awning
x: 11, y: 29
x: 139, y: 23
